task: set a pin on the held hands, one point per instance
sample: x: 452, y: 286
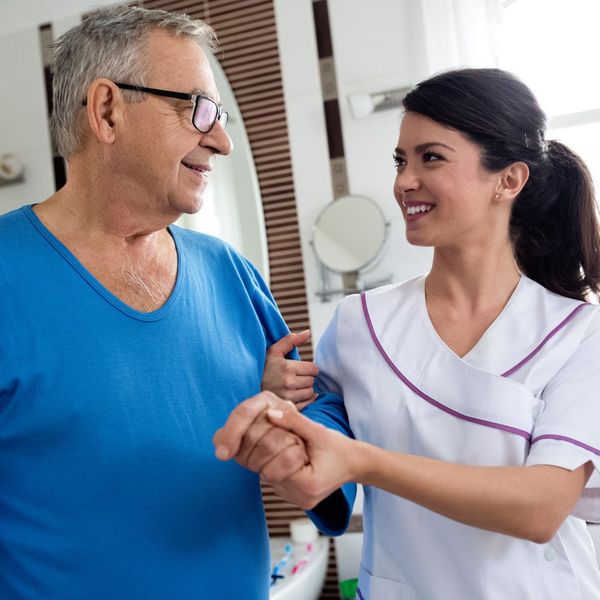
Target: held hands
x: 333, y: 460
x: 255, y: 443
x: 290, y: 379
x: 303, y: 461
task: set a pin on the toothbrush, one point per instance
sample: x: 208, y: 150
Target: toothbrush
x: 303, y: 561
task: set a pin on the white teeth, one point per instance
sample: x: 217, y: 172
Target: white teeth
x: 412, y: 210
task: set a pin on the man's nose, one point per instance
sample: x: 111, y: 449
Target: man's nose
x: 218, y: 139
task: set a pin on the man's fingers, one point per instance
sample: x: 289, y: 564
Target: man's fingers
x: 271, y: 446
x: 253, y: 438
x: 285, y: 464
x: 227, y: 440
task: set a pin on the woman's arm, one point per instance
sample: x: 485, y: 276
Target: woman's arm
x: 525, y: 502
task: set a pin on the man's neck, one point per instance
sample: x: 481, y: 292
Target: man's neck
x: 131, y: 255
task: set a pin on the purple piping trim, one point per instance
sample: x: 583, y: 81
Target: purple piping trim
x: 416, y: 390
x: 563, y: 438
x: 361, y: 597
x: 544, y: 341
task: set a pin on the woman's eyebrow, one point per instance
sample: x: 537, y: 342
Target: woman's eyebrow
x: 423, y: 148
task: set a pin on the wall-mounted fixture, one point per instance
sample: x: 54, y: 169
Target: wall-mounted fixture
x: 348, y: 239
x: 362, y: 105
x: 11, y: 169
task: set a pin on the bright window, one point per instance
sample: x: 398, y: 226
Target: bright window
x: 553, y: 46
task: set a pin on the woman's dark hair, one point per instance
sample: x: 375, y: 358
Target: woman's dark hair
x: 554, y: 222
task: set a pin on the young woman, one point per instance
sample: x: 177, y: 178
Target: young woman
x: 473, y: 392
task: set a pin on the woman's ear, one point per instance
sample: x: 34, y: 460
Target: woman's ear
x: 514, y: 178
x: 104, y: 110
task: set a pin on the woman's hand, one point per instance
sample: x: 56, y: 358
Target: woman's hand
x: 290, y: 379
x: 333, y: 459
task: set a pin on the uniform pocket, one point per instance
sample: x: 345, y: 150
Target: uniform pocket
x: 373, y: 587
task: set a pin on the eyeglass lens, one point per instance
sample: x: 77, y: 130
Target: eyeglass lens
x: 205, y: 115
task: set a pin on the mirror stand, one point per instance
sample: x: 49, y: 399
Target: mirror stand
x: 351, y: 283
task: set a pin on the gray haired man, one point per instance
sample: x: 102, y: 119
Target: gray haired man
x: 126, y: 341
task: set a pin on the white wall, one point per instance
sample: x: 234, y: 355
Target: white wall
x: 23, y: 14
x: 23, y: 111
x: 23, y: 121
x: 377, y: 46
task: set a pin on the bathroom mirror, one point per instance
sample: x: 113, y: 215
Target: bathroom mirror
x: 349, y: 234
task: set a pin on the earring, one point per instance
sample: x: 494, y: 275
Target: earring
x: 497, y: 196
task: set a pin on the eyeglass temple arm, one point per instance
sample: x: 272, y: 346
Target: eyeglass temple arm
x: 155, y: 91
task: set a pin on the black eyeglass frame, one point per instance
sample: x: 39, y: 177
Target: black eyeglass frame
x: 222, y: 116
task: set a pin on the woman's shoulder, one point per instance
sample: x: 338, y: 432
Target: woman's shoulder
x: 389, y: 297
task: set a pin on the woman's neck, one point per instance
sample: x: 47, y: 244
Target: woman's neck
x: 472, y: 279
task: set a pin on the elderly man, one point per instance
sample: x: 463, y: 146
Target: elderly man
x: 125, y: 341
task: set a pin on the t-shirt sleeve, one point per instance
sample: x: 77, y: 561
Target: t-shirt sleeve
x: 567, y: 432
x: 267, y: 311
x: 332, y: 515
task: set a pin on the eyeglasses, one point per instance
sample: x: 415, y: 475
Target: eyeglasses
x: 206, y: 111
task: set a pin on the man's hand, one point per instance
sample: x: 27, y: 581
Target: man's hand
x: 290, y: 379
x: 255, y: 443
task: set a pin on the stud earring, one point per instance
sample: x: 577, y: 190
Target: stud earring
x: 497, y: 196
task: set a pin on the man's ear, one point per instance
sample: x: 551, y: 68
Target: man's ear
x: 104, y: 110
x: 513, y: 180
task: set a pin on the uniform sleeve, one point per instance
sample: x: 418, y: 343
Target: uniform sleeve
x: 567, y: 432
x: 332, y: 515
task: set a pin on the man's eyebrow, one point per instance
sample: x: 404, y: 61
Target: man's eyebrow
x: 423, y: 148
x: 199, y: 92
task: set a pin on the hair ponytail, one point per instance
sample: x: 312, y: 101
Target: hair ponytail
x: 554, y: 225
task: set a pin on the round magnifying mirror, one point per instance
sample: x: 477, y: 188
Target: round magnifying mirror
x: 349, y: 233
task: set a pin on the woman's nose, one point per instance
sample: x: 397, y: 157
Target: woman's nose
x: 406, y: 180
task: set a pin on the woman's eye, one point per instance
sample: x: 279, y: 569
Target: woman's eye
x: 398, y: 162
x: 431, y: 157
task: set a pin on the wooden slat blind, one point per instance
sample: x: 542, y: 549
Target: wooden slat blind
x: 250, y: 58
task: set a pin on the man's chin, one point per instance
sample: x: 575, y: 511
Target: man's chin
x: 190, y: 207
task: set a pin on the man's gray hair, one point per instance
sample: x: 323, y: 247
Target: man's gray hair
x: 110, y: 42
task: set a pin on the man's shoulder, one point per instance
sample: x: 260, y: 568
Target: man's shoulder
x: 13, y: 226
x: 12, y: 218
x: 204, y: 250
x: 200, y: 242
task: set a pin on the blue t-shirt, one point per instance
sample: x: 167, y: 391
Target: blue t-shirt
x: 109, y: 488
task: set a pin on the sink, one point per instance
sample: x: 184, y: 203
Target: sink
x: 301, y: 568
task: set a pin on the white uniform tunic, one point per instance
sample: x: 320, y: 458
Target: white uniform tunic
x: 528, y: 393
